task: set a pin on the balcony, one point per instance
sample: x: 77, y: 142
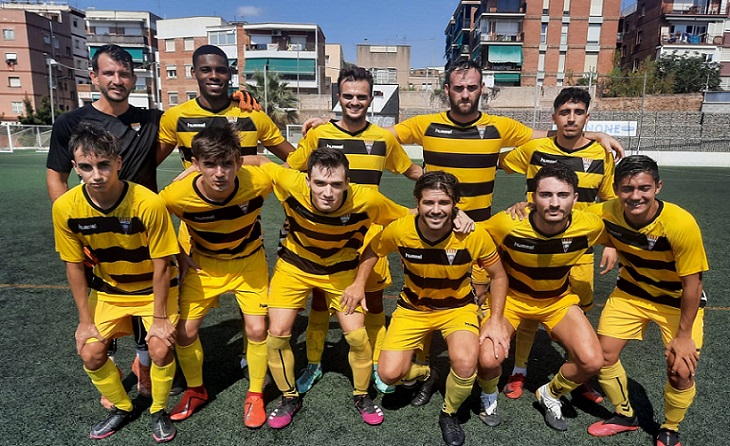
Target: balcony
x: 293, y: 47
x: 116, y: 39
x: 502, y: 7
x: 492, y: 37
x: 690, y: 39
x: 708, y: 8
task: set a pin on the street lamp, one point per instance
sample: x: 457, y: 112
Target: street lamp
x: 51, y: 62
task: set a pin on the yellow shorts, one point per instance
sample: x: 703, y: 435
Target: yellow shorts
x: 581, y: 282
x: 247, y: 278
x: 408, y: 328
x: 629, y: 317
x: 114, y: 319
x: 548, y: 311
x: 290, y: 287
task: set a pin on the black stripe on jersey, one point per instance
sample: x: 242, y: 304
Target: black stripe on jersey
x: 637, y: 239
x: 195, y: 125
x: 521, y: 287
x: 552, y: 246
x: 537, y: 273
x: 460, y: 160
x: 345, y: 220
x: 225, y: 213
x: 436, y: 283
x: 663, y: 284
x: 118, y: 254
x: 102, y: 225
x: 295, y: 227
x: 636, y: 291
x: 434, y: 304
x: 131, y: 278
x: 476, y: 189
x: 353, y: 243
x: 255, y: 235
x: 573, y: 162
x: 437, y: 130
x: 187, y: 152
x: 99, y: 285
x: 363, y: 176
x: 641, y: 262
x: 479, y: 214
x: 425, y: 256
x: 354, y: 146
x: 315, y: 268
x: 585, y: 194
x: 227, y: 237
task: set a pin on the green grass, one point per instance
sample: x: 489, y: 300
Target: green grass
x: 46, y: 398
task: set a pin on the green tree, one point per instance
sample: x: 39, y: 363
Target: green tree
x: 42, y: 116
x: 630, y: 83
x: 280, y: 101
x: 688, y: 74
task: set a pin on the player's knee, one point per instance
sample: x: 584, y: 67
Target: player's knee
x: 160, y: 353
x: 487, y: 358
x: 590, y: 361
x: 187, y: 333
x: 681, y: 378
x: 93, y: 355
x: 256, y: 329
x: 390, y: 373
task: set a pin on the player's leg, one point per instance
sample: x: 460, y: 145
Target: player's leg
x: 581, y: 283
x: 523, y: 344
x: 142, y: 361
x: 317, y: 326
x: 375, y: 326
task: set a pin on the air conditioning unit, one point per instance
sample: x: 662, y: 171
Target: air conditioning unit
x: 276, y: 33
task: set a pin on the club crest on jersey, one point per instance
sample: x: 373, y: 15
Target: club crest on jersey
x: 126, y: 223
x: 345, y: 218
x: 481, y: 129
x: 651, y: 241
x: 451, y: 255
x: 244, y: 207
x: 232, y: 120
x: 587, y: 164
x: 369, y: 146
x: 136, y: 126
x: 566, y: 243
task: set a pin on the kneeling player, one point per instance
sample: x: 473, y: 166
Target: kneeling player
x: 127, y: 231
x: 662, y: 260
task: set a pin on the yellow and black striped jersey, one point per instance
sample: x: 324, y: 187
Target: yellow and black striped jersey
x: 327, y: 243
x: 224, y: 230
x: 437, y: 275
x: 538, y: 265
x: 655, y: 257
x: 369, y: 151
x: 468, y: 151
x: 181, y: 123
x: 123, y: 240
x: 593, y: 165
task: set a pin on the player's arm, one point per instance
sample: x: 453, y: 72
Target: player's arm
x: 164, y: 149
x: 161, y: 327
x: 57, y: 183
x: 281, y: 150
x: 355, y: 293
x: 681, y: 352
x: 255, y: 160
x: 79, y: 289
x: 495, y: 327
x: 414, y: 172
x: 313, y: 123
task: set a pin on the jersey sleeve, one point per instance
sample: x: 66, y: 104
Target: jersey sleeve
x: 384, y: 210
x: 284, y: 180
x: 385, y: 242
x: 396, y: 158
x: 485, y: 251
x: 687, y: 246
x: 409, y: 131
x: 168, y: 127
x: 161, y: 237
x: 297, y: 160
x: 516, y: 160
x: 514, y: 133
x: 268, y: 133
x: 498, y: 226
x: 59, y: 155
x: 68, y: 245
x: 605, y: 191
x: 598, y: 234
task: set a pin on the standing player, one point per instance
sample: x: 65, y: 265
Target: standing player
x: 112, y: 72
x: 662, y: 260
x: 538, y: 254
x: 594, y: 167
x: 126, y: 229
x: 328, y: 219
x: 221, y: 207
x: 437, y: 293
x: 370, y: 150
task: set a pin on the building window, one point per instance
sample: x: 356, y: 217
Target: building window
x: 188, y: 71
x: 638, y: 37
x: 564, y: 34
x: 172, y: 98
x: 596, y: 8
x: 594, y: 33
x: 543, y: 33
x: 222, y: 37
x: 385, y: 75
x: 76, y: 44
x: 76, y: 23
x: 170, y: 45
x: 172, y: 72
x: 8, y: 34
x: 17, y: 108
x: 14, y: 82
x: 191, y: 95
x: 636, y: 64
x: 189, y: 44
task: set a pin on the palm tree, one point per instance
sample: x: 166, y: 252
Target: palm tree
x: 279, y: 101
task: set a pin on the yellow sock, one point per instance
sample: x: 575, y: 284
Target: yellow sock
x: 676, y: 403
x: 107, y: 381
x: 191, y: 362
x: 281, y: 364
x: 614, y: 382
x: 417, y: 371
x: 375, y: 326
x: 257, y: 365
x: 523, y: 341
x: 489, y: 386
x: 161, y: 378
x: 560, y: 385
x: 317, y: 325
x: 361, y: 360
x: 458, y: 390
x: 422, y: 355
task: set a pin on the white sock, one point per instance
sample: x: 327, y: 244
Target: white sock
x: 521, y: 370
x: 144, y: 357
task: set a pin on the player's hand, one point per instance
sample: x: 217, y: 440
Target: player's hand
x: 312, y: 123
x: 246, y: 101
x: 353, y: 296
x: 163, y: 330
x: 185, y: 262
x: 186, y: 172
x: 84, y: 332
x: 519, y: 210
x: 609, y: 258
x: 463, y: 224
x: 681, y: 353
x: 609, y: 144
x: 496, y: 330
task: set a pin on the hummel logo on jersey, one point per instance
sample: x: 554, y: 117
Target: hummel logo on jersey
x: 651, y: 241
x: 335, y: 146
x: 369, y: 146
x: 126, y: 222
x: 232, y: 120
x: 192, y: 125
x: 136, y: 126
x: 587, y: 164
x: 450, y: 255
x: 523, y: 246
x: 244, y: 207
x: 545, y: 161
x: 414, y: 256
x: 345, y: 218
x: 443, y: 131
x: 87, y: 227
x: 566, y: 243
x: 481, y: 129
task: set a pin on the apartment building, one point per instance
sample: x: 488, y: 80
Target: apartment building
x: 389, y: 64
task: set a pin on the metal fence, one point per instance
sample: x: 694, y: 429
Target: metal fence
x: 24, y: 137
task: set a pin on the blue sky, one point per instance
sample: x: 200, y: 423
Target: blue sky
x: 419, y: 23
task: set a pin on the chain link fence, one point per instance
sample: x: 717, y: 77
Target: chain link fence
x: 24, y: 137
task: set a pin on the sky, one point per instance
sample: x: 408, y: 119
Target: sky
x: 418, y: 23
